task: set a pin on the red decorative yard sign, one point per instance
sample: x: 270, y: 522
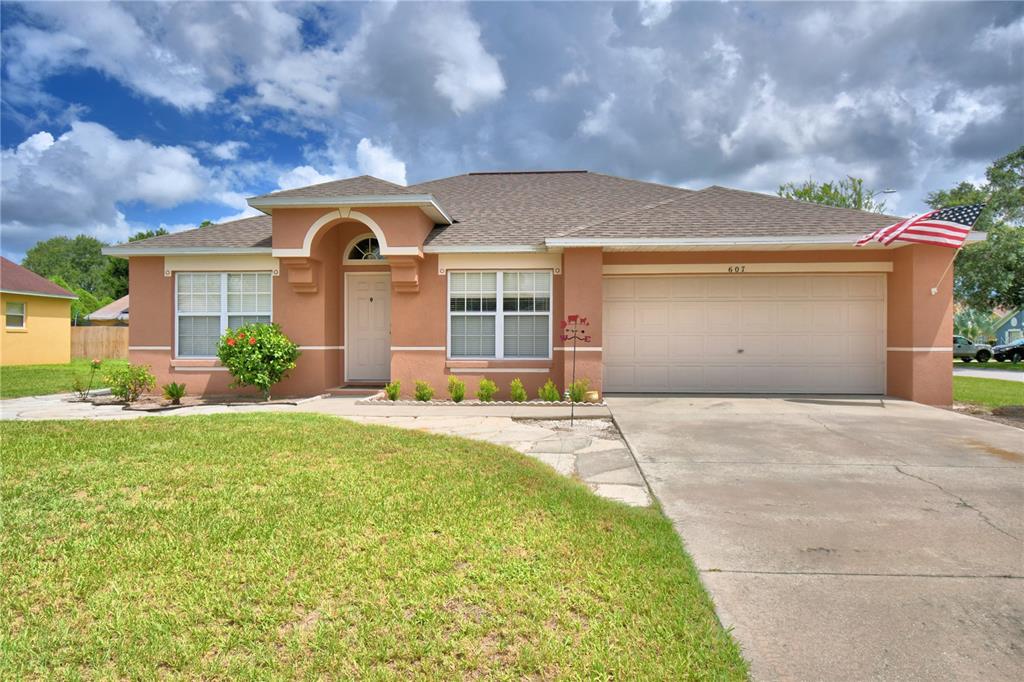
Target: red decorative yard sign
x: 574, y: 329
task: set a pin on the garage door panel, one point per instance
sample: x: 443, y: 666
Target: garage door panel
x: 794, y: 316
x: 688, y: 287
x: 758, y: 287
x: 619, y: 317
x: 651, y: 315
x: 723, y: 316
x: 758, y: 316
x: 864, y: 315
x: 827, y: 316
x: 687, y: 347
x: 723, y: 287
x: 653, y: 378
x: 653, y: 287
x: 619, y: 347
x: 687, y: 316
x: 652, y: 347
x: 622, y: 376
x: 619, y: 288
x: 799, y: 333
x: 686, y: 378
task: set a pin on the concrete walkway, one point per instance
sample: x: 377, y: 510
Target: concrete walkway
x: 1004, y: 374
x: 846, y: 539
x: 592, y: 451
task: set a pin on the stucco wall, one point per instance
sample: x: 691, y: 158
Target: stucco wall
x: 46, y: 338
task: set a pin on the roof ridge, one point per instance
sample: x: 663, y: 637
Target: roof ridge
x: 641, y: 182
x: 404, y: 188
x: 765, y: 195
x: 690, y: 194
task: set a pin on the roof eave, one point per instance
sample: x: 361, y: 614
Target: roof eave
x: 126, y: 251
x: 69, y: 297
x: 425, y: 202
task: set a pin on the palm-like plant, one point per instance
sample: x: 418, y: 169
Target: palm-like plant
x: 975, y: 324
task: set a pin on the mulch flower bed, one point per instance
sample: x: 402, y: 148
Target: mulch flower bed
x: 381, y: 399
x: 153, y: 403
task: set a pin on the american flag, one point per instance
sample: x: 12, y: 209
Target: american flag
x: 944, y: 227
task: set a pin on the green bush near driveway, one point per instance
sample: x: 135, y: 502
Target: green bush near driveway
x: 988, y: 392
x: 305, y: 546
x: 18, y: 381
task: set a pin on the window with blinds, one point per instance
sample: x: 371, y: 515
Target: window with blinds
x: 499, y: 315
x: 208, y: 303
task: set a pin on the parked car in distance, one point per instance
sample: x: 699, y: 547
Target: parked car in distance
x: 1013, y: 351
x: 966, y: 350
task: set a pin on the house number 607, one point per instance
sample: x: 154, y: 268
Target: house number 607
x: 737, y: 268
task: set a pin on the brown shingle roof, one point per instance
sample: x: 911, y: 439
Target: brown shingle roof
x: 719, y: 212
x: 247, y: 233
x: 15, y: 278
x: 525, y: 208
x: 363, y: 185
x: 509, y: 208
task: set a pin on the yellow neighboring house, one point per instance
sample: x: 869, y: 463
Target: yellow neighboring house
x: 37, y: 318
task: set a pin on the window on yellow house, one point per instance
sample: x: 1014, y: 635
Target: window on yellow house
x: 15, y: 316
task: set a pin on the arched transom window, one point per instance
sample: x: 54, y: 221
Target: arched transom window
x: 363, y: 249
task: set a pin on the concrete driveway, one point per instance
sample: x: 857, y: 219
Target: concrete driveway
x: 846, y: 538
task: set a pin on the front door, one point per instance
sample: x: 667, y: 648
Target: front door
x: 368, y: 326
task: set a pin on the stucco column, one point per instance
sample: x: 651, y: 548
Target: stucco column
x: 919, y: 352
x: 583, y: 296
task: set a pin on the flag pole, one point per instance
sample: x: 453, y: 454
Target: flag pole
x: 935, y: 289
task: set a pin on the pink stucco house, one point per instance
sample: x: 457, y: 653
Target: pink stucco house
x: 716, y: 290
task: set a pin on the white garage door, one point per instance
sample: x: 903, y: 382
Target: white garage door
x: 745, y: 333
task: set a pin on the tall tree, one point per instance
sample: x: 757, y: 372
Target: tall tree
x: 78, y: 261
x: 117, y: 268
x: 848, y: 192
x: 991, y: 273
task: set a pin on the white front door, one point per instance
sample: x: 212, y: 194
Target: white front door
x: 367, y: 326
x: 747, y: 333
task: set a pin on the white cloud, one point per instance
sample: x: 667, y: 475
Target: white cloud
x: 301, y: 176
x: 75, y: 183
x: 227, y: 150
x: 598, y: 121
x: 468, y: 75
x: 653, y: 12
x: 379, y: 161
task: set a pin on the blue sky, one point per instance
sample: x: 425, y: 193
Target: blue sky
x: 121, y: 117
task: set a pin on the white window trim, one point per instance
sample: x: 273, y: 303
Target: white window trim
x: 223, y: 306
x: 1014, y: 335
x: 24, y: 315
x: 499, y: 316
x: 345, y: 260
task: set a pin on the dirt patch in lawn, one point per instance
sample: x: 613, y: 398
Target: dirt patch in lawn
x: 1010, y: 415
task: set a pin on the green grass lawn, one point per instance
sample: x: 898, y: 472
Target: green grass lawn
x: 21, y: 380
x: 988, y: 392
x: 305, y: 546
x: 992, y: 364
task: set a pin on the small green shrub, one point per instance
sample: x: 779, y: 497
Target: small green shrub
x: 516, y: 391
x: 174, y: 392
x: 393, y: 390
x: 456, y: 388
x: 424, y: 392
x: 549, y: 392
x: 128, y: 383
x: 578, y: 389
x: 258, y: 355
x: 485, y: 392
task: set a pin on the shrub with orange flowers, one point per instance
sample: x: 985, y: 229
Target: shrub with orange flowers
x: 258, y: 355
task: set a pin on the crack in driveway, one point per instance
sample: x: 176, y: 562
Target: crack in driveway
x: 962, y: 502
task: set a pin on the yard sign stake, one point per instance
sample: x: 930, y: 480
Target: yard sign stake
x: 574, y: 329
